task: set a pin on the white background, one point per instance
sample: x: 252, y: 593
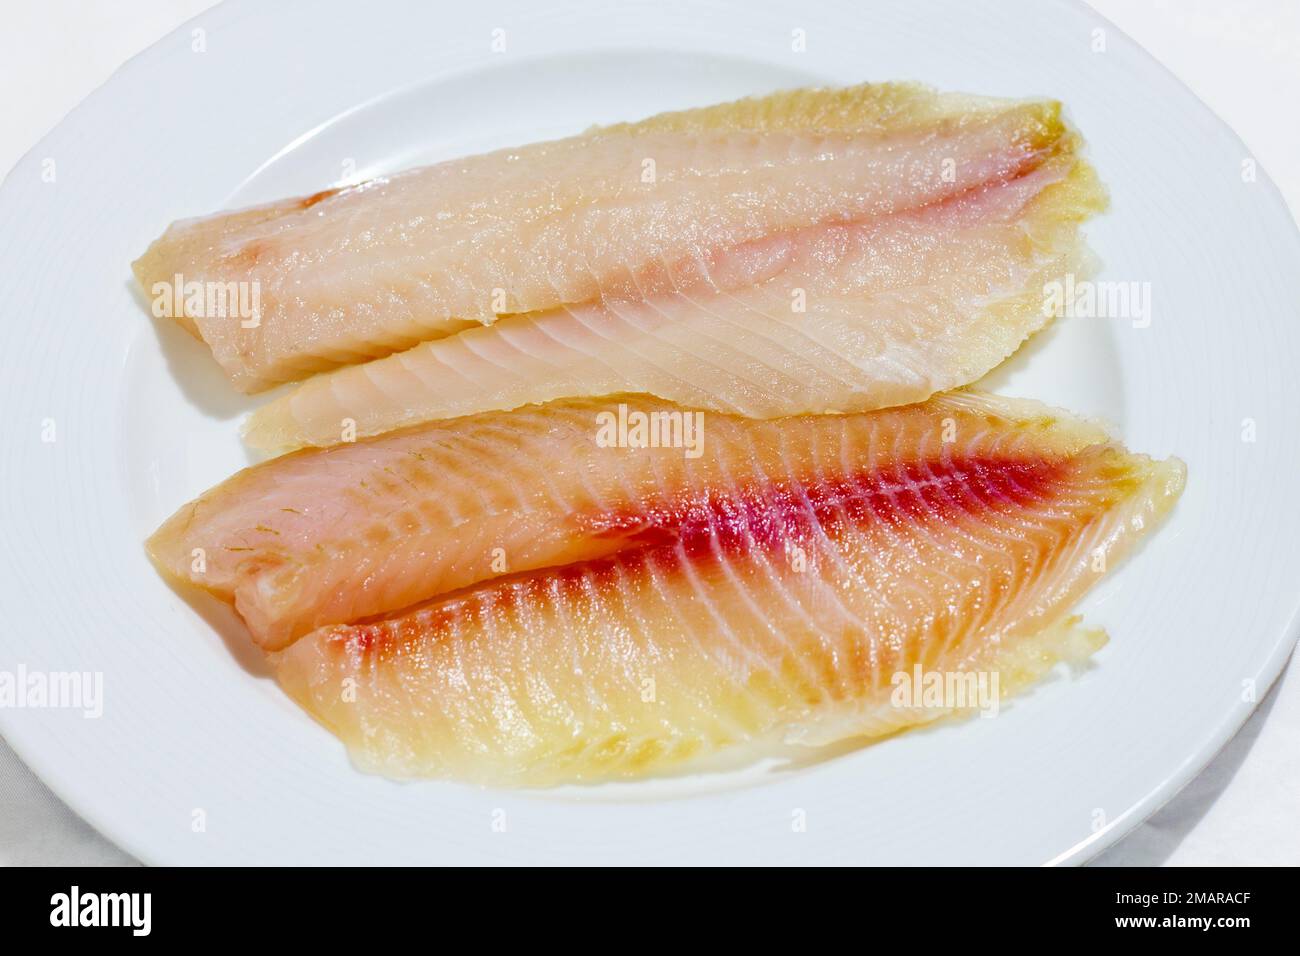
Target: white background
x: 1242, y: 57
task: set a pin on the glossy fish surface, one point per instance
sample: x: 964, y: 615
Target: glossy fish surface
x: 838, y: 318
x: 776, y: 594
x: 359, y: 272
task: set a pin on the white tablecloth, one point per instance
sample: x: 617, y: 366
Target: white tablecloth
x: 1241, y: 56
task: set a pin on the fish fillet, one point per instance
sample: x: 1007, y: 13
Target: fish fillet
x: 356, y: 273
x: 334, y: 535
x: 778, y: 595
x: 840, y: 318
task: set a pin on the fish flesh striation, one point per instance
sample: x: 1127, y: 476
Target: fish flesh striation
x: 773, y: 594
x: 359, y: 272
x: 334, y: 535
x: 637, y: 448
x: 836, y: 318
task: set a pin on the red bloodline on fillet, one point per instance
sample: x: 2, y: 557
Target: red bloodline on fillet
x: 702, y: 525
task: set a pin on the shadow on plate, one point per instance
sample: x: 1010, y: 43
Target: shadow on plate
x: 221, y: 617
x: 192, y: 367
x: 1155, y: 840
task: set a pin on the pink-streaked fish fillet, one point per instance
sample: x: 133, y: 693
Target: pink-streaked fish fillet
x: 838, y: 318
x: 774, y: 588
x: 356, y: 273
x: 334, y: 535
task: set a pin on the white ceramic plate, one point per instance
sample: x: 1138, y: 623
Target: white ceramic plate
x: 198, y: 758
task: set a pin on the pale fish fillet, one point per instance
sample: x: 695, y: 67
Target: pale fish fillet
x: 841, y: 318
x: 356, y: 273
x: 781, y: 598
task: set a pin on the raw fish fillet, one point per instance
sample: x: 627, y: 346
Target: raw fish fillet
x: 775, y: 594
x: 838, y: 318
x: 335, y: 535
x: 359, y: 272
